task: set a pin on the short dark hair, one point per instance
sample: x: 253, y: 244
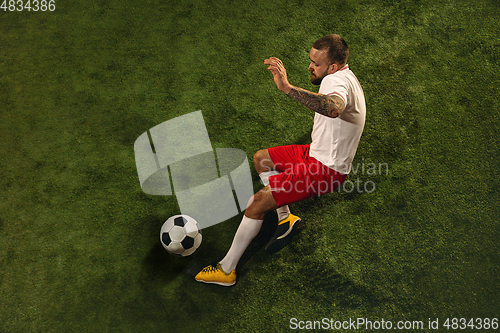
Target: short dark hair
x: 338, y: 51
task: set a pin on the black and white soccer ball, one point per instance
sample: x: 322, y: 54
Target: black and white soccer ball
x: 180, y: 235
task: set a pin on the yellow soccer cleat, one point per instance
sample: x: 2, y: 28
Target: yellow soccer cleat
x: 286, y: 229
x: 215, y: 275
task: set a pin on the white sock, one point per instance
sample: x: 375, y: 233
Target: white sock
x: 248, y: 229
x: 282, y: 211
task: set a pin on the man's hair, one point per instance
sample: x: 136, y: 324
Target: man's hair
x: 338, y: 51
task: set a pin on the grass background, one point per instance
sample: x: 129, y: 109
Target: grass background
x: 79, y: 248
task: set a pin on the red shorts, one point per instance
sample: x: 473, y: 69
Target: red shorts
x: 300, y: 175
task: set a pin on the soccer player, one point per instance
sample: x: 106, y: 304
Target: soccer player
x: 296, y: 172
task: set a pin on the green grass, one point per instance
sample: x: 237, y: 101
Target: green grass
x: 79, y: 248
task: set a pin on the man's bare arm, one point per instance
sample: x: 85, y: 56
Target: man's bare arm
x: 330, y: 106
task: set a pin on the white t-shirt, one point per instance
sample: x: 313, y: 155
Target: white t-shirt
x: 335, y: 140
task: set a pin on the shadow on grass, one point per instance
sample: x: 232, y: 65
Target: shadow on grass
x: 328, y: 287
x: 309, y: 276
x: 159, y: 268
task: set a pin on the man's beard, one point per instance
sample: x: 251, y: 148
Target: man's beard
x: 316, y: 80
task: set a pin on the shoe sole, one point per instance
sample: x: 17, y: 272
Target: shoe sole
x: 280, y: 242
x: 229, y: 284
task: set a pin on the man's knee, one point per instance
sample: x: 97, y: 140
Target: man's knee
x: 261, y: 202
x: 257, y: 157
x: 262, y: 161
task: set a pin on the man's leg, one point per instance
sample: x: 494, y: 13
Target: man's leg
x: 250, y: 225
x: 224, y: 273
x: 288, y: 224
x: 265, y: 168
x: 262, y: 202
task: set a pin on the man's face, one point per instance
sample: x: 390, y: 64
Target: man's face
x: 319, y: 67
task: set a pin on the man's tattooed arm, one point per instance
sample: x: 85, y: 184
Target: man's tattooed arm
x: 330, y: 106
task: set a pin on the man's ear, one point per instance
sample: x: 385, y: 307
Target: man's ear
x: 333, y: 68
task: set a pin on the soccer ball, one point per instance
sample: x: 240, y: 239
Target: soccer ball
x: 180, y: 235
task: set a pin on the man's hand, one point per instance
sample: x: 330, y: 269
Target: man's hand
x: 330, y: 106
x: 279, y: 73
